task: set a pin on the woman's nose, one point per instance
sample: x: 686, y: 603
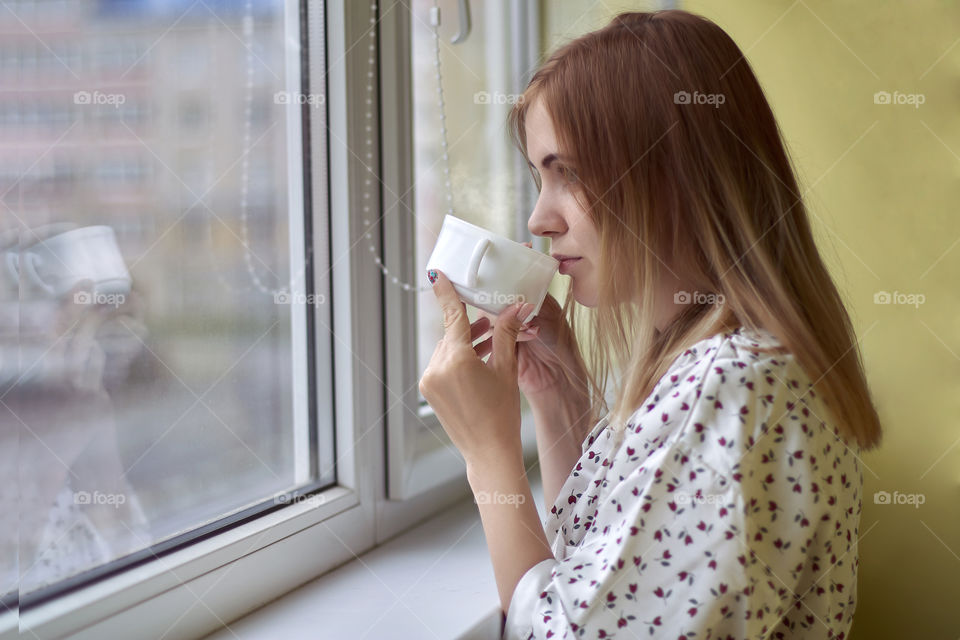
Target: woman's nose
x: 545, y: 222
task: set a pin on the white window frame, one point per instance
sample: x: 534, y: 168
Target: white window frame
x: 420, y: 460
x: 198, y: 589
x: 195, y: 590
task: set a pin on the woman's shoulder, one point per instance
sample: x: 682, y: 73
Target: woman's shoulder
x: 762, y: 405
x: 727, y: 393
x: 705, y: 363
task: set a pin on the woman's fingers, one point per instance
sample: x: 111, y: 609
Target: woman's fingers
x: 479, y: 327
x: 484, y: 348
x: 530, y: 334
x: 486, y: 322
x: 485, y: 314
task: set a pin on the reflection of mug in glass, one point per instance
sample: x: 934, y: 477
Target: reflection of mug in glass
x: 55, y: 265
x: 489, y: 271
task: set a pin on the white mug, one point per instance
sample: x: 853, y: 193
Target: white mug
x: 489, y: 271
x: 56, y: 264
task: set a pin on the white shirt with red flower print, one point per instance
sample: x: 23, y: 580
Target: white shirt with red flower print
x: 729, y: 510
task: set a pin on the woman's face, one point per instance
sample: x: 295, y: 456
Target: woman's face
x: 557, y: 215
x: 560, y: 217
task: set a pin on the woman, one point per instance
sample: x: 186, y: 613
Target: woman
x: 721, y: 495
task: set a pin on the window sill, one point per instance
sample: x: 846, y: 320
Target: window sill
x: 434, y: 580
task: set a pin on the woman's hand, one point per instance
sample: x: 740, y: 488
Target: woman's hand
x: 548, y: 359
x: 477, y: 403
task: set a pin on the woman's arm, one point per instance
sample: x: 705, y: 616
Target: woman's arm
x: 510, y: 520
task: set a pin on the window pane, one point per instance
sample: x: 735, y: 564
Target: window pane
x: 153, y: 265
x: 477, y: 76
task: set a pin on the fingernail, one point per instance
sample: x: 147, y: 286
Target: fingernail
x: 432, y: 275
x: 524, y: 310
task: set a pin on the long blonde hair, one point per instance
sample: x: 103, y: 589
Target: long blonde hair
x: 679, y: 158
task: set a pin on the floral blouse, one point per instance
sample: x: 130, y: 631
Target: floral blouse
x: 729, y: 510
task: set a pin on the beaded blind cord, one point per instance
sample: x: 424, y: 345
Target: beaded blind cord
x: 368, y: 128
x: 245, y: 180
x: 247, y: 28
x: 248, y: 255
x: 435, y: 26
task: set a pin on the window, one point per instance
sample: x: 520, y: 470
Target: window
x: 160, y: 383
x: 464, y: 164
x: 165, y: 374
x: 218, y: 420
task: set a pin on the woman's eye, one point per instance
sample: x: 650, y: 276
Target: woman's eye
x: 568, y: 174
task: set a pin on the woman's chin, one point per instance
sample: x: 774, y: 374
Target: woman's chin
x: 585, y: 298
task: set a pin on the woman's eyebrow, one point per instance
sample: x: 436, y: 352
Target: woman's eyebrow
x: 547, y: 160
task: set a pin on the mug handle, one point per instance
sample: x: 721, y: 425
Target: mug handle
x: 473, y: 266
x: 31, y: 269
x: 13, y: 265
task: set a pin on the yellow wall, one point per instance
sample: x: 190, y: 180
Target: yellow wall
x: 883, y: 194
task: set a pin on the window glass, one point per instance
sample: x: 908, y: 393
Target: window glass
x: 464, y: 162
x: 153, y: 288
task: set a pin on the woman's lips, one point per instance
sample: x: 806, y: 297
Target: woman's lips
x: 566, y: 263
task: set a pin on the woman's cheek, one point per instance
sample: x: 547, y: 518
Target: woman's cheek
x: 585, y: 286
